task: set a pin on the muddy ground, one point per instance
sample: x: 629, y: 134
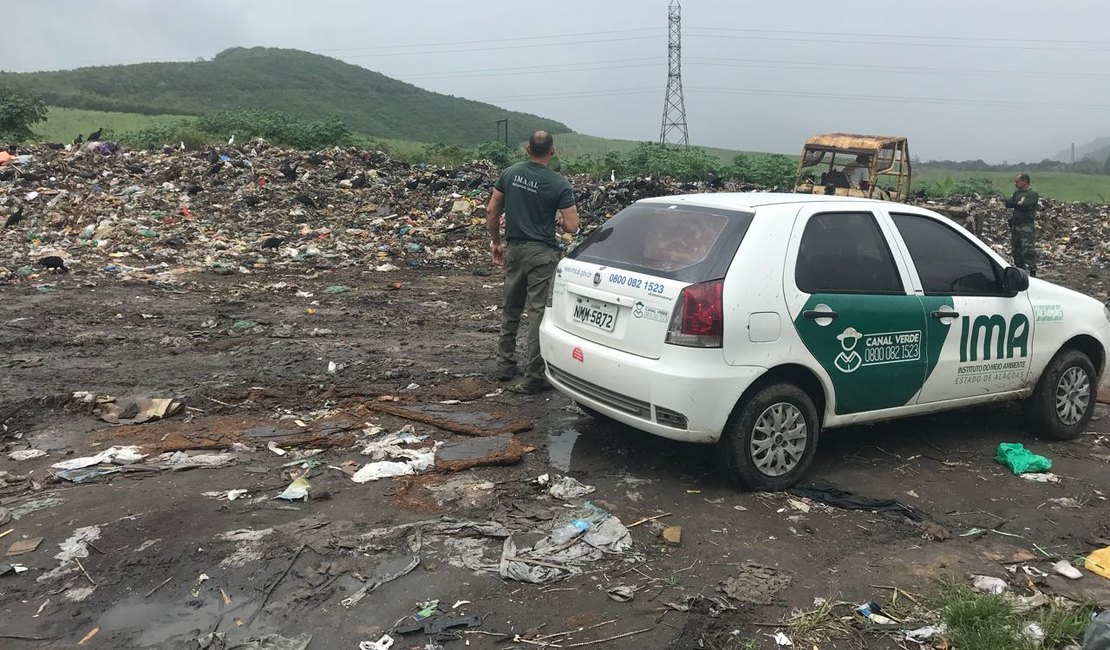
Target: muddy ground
x: 123, y: 554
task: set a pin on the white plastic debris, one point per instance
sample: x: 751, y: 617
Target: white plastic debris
x: 1041, y: 477
x: 384, y: 643
x: 235, y: 494
x: 989, y: 585
x: 922, y: 635
x: 116, y: 455
x: 1066, y: 569
x: 297, y: 490
x: 26, y: 454
x: 381, y: 469
x: 569, y: 488
x: 782, y: 640
x: 1035, y: 634
x: 272, y: 446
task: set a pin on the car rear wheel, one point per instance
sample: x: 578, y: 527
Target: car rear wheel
x: 1063, y: 401
x: 770, y: 442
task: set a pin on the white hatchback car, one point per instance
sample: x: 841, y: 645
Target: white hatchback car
x: 757, y: 320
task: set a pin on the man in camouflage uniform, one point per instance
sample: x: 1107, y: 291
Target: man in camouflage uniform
x: 1023, y: 230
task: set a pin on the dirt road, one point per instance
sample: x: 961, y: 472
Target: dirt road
x: 152, y: 557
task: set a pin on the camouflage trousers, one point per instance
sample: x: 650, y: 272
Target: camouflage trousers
x: 1023, y: 242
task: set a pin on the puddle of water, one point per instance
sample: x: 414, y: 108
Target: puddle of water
x: 560, y: 446
x: 158, y: 623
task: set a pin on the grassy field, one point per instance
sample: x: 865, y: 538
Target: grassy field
x: 1062, y: 186
x: 63, y: 124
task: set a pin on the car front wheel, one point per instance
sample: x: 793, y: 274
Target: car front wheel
x: 1063, y: 401
x: 770, y: 442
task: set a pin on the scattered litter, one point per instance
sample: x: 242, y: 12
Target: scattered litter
x: 673, y: 535
x: 1035, y: 633
x: 872, y: 611
x: 297, y: 490
x: 26, y: 454
x: 569, y: 488
x: 136, y: 411
x: 235, y: 494
x: 384, y: 643
x: 570, y: 531
x: 387, y: 450
x: 117, y: 455
x: 85, y: 639
x: 219, y: 641
x: 1065, y: 502
x: 1099, y: 562
x: 179, y: 460
x: 86, y: 474
x: 1042, y: 477
x: 621, y: 593
x: 548, y: 559
x: 460, y: 603
x: 5, y: 516
x: 828, y: 494
x: 272, y: 446
x: 924, y: 634
x: 989, y: 585
x: 24, y: 546
x: 1020, y: 460
x: 782, y: 640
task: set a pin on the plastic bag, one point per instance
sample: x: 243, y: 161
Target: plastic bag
x: 1020, y: 460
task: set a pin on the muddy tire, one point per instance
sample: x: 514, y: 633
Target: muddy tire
x: 1064, y: 400
x: 771, y: 439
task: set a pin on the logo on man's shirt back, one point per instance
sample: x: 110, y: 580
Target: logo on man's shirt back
x: 525, y: 184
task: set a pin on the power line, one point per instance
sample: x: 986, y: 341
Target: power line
x: 530, y: 46
x: 856, y: 41
x: 900, y: 36
x: 530, y: 39
x: 867, y: 67
x: 497, y: 72
x: 917, y: 100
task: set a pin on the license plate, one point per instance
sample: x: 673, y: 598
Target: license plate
x: 601, y: 315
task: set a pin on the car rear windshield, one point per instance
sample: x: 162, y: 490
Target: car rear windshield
x: 680, y: 242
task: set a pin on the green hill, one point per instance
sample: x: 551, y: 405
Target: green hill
x: 297, y: 83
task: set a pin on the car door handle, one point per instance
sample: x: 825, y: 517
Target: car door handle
x: 813, y: 314
x: 945, y: 314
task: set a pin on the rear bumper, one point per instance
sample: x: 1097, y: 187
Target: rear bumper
x: 687, y: 394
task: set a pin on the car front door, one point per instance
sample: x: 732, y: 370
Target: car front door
x: 984, y: 334
x: 849, y: 301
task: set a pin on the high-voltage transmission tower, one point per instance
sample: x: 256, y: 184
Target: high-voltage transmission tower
x: 673, y: 130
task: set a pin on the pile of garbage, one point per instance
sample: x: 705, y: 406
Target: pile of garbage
x: 102, y: 209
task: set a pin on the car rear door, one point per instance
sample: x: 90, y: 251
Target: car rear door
x: 619, y: 288
x: 981, y: 335
x: 853, y: 309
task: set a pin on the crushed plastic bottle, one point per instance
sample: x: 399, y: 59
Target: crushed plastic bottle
x: 570, y: 531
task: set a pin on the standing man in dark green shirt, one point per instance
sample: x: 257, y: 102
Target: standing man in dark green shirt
x: 533, y: 199
x: 1023, y: 230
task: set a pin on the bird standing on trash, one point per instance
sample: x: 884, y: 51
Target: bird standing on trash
x: 289, y: 171
x: 14, y: 217
x: 95, y: 135
x: 78, y: 140
x: 54, y: 263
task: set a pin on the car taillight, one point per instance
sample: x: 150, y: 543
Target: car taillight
x: 698, y: 322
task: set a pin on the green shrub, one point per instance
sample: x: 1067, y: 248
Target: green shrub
x: 17, y: 113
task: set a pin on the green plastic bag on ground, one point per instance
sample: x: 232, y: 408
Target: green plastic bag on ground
x: 1020, y: 460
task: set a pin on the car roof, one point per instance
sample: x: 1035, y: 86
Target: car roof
x: 752, y: 200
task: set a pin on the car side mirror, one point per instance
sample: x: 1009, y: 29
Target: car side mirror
x: 1015, y: 280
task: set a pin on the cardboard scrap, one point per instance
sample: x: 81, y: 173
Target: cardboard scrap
x: 24, y: 546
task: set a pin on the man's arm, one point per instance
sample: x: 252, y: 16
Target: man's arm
x: 568, y: 219
x: 493, y: 225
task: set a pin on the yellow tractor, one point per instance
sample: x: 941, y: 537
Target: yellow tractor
x: 848, y: 164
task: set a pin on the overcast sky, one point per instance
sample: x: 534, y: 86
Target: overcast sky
x: 963, y: 79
